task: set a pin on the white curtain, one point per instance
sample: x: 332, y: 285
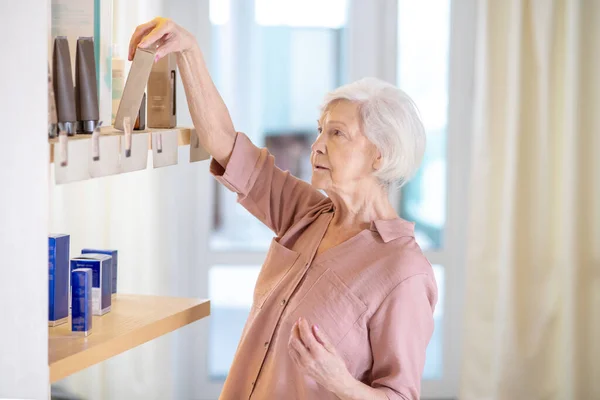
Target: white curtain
x: 533, y: 272
x: 156, y: 219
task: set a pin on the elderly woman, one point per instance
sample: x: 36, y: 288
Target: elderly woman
x: 343, y: 306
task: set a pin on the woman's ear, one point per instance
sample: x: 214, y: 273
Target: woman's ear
x: 378, y: 160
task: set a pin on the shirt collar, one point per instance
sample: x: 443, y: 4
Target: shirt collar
x: 391, y: 229
x: 388, y: 229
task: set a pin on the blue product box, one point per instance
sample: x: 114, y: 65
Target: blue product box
x: 58, y: 279
x: 115, y: 258
x: 81, y: 292
x: 101, y: 266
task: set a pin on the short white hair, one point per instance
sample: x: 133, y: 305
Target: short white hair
x: 390, y: 120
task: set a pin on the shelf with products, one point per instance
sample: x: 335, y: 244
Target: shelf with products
x: 88, y: 156
x: 145, y: 95
x: 132, y: 321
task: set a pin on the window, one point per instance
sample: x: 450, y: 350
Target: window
x: 220, y: 11
x: 315, y: 13
x: 423, y: 73
x: 230, y: 289
x: 423, y: 60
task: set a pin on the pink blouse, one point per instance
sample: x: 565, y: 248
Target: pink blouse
x: 373, y: 295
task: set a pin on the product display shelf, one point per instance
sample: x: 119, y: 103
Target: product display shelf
x: 133, y: 320
x: 183, y: 136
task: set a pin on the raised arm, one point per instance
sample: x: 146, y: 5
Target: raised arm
x: 210, y: 115
x: 275, y: 197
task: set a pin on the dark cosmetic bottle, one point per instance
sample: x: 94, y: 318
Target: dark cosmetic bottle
x: 87, y: 89
x: 63, y: 86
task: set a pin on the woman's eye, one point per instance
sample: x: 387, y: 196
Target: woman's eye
x: 337, y: 133
x: 320, y: 130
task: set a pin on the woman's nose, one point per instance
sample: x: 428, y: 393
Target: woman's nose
x: 318, y: 146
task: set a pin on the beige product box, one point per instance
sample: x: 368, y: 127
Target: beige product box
x: 135, y: 86
x: 162, y: 111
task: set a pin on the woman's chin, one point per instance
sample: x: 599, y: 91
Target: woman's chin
x: 318, y: 182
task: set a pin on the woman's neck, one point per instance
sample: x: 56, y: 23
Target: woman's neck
x: 356, y: 209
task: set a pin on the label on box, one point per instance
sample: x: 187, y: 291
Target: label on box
x: 101, y: 266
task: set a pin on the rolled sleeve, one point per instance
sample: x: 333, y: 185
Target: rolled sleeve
x: 242, y: 163
x: 399, y: 333
x: 275, y: 197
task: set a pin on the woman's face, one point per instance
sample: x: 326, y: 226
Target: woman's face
x: 343, y: 159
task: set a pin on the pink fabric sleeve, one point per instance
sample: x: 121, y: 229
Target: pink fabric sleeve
x: 275, y: 197
x: 399, y: 332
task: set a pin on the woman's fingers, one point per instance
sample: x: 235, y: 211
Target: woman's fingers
x: 306, y: 335
x: 162, y: 28
x: 162, y: 35
x: 295, y: 343
x: 169, y: 46
x: 298, y: 346
x: 138, y: 34
x: 322, y: 338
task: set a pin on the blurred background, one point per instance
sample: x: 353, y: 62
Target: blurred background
x: 506, y: 202
x: 273, y: 61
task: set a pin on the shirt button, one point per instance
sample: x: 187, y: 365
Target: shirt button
x: 283, y: 302
x: 266, y: 344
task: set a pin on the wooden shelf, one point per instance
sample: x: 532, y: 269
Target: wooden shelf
x: 183, y: 136
x: 133, y: 320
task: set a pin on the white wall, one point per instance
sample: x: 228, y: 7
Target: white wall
x: 24, y: 200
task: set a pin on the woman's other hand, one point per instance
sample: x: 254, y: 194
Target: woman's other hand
x: 314, y: 354
x: 164, y: 35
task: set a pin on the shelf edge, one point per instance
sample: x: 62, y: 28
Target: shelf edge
x: 67, y: 366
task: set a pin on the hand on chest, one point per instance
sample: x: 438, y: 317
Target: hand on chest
x: 327, y: 302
